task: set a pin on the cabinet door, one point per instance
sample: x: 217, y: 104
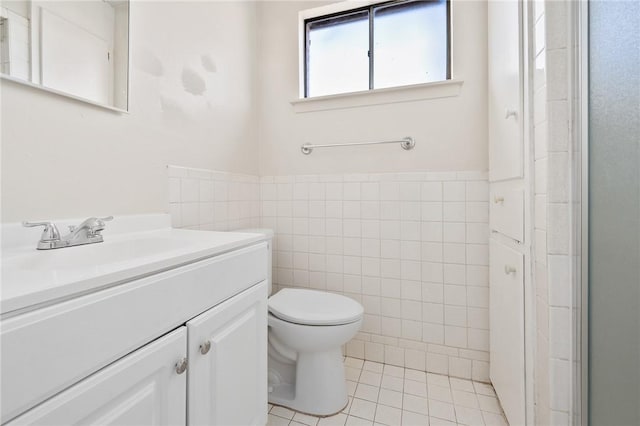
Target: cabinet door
x: 505, y: 93
x: 506, y: 316
x: 142, y: 388
x: 506, y: 211
x: 228, y: 362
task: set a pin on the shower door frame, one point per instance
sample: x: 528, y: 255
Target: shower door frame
x: 579, y: 69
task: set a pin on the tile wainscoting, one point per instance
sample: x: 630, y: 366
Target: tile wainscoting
x: 213, y: 201
x: 411, y: 247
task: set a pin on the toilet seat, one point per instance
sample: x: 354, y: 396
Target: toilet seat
x: 310, y: 307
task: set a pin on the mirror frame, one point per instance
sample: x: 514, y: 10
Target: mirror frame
x: 79, y: 98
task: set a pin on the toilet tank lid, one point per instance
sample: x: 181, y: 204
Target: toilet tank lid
x: 264, y: 231
x: 311, y: 307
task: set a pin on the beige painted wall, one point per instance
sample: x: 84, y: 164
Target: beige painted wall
x: 63, y: 158
x: 451, y: 133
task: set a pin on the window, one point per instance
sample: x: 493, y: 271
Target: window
x: 390, y: 44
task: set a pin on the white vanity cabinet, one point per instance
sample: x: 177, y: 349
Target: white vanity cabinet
x: 223, y: 368
x: 114, y: 356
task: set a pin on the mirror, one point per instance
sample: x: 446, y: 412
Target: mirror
x: 75, y: 48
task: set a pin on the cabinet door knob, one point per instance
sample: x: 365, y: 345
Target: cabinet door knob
x: 510, y: 270
x: 498, y: 199
x: 204, y: 348
x: 510, y: 113
x: 181, y: 366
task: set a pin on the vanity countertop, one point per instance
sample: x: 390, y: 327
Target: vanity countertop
x: 32, y: 278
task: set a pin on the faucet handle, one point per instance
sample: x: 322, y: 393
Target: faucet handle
x: 98, y: 225
x: 101, y: 220
x: 50, y: 232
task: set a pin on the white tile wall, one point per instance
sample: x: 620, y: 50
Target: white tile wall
x: 553, y: 218
x: 559, y: 223
x: 213, y: 201
x: 411, y: 247
x: 541, y: 130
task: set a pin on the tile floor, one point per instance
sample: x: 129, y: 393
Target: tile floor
x: 381, y: 394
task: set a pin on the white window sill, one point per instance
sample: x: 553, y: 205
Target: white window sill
x: 416, y: 92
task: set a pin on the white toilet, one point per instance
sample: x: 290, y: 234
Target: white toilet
x: 307, y: 329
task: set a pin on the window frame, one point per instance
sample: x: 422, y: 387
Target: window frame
x: 370, y: 8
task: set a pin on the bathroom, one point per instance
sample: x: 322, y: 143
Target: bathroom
x: 455, y: 206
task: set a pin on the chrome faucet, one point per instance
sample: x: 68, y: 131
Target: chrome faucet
x: 88, y: 232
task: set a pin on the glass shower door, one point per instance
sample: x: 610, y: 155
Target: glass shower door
x: 614, y: 213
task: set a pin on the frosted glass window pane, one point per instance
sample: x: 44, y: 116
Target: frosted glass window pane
x: 410, y: 43
x: 338, y: 55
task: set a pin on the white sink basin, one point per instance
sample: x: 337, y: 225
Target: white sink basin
x: 35, y: 277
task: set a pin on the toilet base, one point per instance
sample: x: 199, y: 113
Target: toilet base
x: 311, y: 414
x: 320, y: 387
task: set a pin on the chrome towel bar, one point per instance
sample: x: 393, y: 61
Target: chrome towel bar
x: 406, y: 143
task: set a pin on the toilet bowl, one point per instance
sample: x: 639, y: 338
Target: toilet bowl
x: 307, y: 329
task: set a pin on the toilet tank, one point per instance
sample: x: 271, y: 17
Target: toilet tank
x: 268, y: 233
